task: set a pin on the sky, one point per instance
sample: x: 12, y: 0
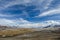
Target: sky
x: 29, y: 13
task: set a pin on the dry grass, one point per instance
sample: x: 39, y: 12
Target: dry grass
x: 31, y: 34
x: 13, y: 32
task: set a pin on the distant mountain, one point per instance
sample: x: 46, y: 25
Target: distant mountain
x: 56, y: 25
x: 52, y: 23
x: 6, y: 27
x: 45, y: 24
x: 53, y: 26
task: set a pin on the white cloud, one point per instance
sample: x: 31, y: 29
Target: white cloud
x: 26, y: 24
x: 53, y: 22
x: 6, y: 15
x: 15, y: 2
x: 32, y: 25
x: 40, y: 24
x: 6, y: 22
x: 20, y: 23
x: 50, y: 12
x: 47, y: 3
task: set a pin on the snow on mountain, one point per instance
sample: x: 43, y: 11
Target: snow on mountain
x: 52, y: 23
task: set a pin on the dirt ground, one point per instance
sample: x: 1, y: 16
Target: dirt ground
x: 37, y: 35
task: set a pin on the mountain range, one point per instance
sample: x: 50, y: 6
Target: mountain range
x: 46, y: 24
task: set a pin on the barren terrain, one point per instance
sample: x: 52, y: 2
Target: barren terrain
x: 30, y: 34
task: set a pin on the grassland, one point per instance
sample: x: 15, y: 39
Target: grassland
x: 30, y: 34
x: 14, y: 32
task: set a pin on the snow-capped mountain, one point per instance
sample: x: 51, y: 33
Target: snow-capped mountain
x: 52, y: 23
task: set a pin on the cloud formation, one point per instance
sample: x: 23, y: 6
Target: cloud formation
x: 43, y: 9
x: 6, y: 15
x: 26, y: 24
x: 50, y: 12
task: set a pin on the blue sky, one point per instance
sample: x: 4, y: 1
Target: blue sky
x: 29, y: 12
